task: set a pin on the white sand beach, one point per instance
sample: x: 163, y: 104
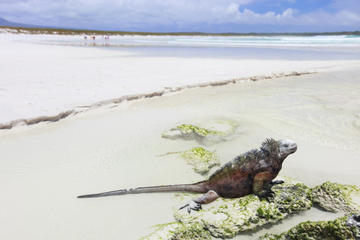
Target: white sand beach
x: 41, y: 79
x: 45, y: 166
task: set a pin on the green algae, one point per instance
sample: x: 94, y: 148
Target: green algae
x: 330, y: 230
x: 335, y: 197
x: 205, y: 133
x: 201, y: 159
x: 178, y: 231
x: 188, y: 129
x: 225, y: 218
x: 292, y: 198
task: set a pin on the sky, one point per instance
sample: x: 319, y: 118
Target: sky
x: 188, y: 15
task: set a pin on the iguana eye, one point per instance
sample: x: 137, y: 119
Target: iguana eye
x: 286, y: 145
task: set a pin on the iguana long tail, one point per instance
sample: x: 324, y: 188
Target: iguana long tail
x: 195, y: 188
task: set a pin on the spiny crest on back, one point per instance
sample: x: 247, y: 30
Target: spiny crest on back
x: 270, y: 145
x: 251, y: 155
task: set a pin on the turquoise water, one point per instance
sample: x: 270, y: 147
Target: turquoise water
x: 229, y: 41
x: 353, y: 36
x: 239, y: 47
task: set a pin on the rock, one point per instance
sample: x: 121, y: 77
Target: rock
x: 341, y: 228
x: 227, y: 217
x: 188, y: 131
x: 178, y: 231
x: 354, y: 221
x: 201, y: 159
x: 335, y: 197
x: 206, y: 133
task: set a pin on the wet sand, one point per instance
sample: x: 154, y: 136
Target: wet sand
x: 47, y: 165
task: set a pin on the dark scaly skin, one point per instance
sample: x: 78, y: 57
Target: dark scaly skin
x: 237, y: 177
x: 251, y: 172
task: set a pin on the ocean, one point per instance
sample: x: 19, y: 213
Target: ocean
x: 234, y: 47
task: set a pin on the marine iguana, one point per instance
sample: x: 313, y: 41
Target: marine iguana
x: 250, y: 172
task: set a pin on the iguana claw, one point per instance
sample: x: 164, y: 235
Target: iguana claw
x: 191, y: 206
x: 276, y: 182
x: 267, y: 195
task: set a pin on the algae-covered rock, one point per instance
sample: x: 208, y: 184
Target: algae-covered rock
x: 201, y: 159
x: 334, y: 197
x: 227, y: 217
x: 178, y: 231
x: 341, y: 228
x: 188, y: 131
x: 209, y: 132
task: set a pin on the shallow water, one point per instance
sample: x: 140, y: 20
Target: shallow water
x: 195, y: 40
x: 276, y: 47
x: 46, y: 166
x: 243, y: 52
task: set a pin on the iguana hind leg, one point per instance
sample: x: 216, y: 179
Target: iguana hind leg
x: 195, y: 204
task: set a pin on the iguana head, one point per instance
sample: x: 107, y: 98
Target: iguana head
x: 279, y: 149
x: 286, y: 147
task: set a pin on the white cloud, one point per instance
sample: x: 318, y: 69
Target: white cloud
x: 184, y: 14
x: 125, y: 12
x: 323, y: 18
x: 247, y: 16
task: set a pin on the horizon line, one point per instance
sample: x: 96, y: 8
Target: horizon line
x: 72, y: 31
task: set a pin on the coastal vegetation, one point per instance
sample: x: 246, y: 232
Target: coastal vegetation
x: 63, y: 31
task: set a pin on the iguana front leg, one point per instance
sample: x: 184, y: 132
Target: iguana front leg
x: 262, y: 185
x: 195, y: 204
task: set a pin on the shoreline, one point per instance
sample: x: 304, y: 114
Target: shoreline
x: 128, y: 98
x: 48, y: 82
